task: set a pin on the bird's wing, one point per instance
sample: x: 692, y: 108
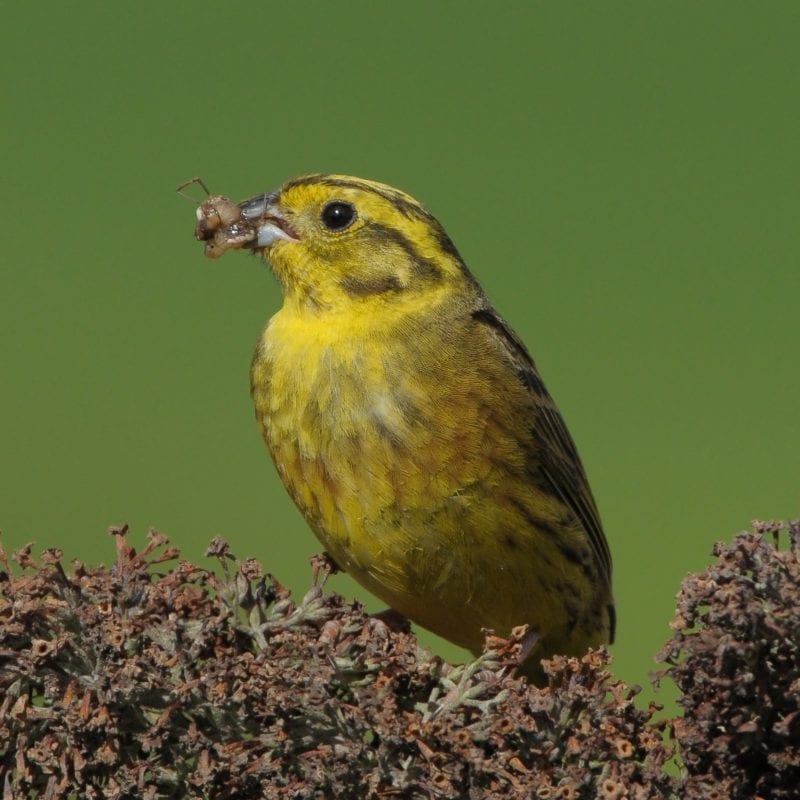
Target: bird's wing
x: 556, y: 456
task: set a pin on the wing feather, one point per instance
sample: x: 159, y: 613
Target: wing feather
x: 557, y: 459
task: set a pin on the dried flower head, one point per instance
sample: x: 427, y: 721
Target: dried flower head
x: 142, y: 681
x: 734, y: 656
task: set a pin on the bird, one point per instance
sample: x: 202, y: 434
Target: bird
x: 410, y: 425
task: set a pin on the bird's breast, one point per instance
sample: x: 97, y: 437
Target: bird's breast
x: 349, y: 415
x: 374, y: 436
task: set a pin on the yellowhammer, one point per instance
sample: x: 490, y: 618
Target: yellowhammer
x: 409, y: 424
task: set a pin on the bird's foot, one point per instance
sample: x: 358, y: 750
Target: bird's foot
x: 322, y: 567
x: 527, y: 641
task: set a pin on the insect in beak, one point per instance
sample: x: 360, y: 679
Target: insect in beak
x: 224, y: 225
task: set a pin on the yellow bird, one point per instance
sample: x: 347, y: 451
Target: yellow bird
x: 409, y: 423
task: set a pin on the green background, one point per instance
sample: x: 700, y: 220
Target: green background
x: 623, y: 179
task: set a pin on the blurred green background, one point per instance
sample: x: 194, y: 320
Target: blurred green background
x: 623, y: 178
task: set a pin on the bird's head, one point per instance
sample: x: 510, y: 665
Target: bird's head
x: 334, y: 241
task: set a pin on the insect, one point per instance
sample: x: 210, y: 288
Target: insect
x: 222, y: 224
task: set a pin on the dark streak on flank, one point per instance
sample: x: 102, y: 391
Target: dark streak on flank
x: 258, y: 354
x: 537, y: 523
x: 365, y: 287
x: 410, y: 411
x: 564, y: 590
x: 510, y: 541
x: 387, y: 433
x: 574, y: 555
x: 556, y: 534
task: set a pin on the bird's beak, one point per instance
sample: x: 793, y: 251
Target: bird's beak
x: 269, y: 224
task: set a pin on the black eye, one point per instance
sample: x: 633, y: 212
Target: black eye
x: 338, y: 215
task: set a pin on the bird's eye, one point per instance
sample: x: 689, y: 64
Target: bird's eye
x: 336, y: 216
